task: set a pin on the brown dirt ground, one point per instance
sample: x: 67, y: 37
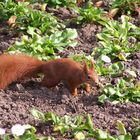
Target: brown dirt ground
x: 17, y: 100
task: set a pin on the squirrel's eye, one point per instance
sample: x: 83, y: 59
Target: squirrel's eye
x: 88, y: 77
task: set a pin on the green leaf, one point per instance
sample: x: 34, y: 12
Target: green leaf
x: 71, y: 33
x: 115, y: 66
x: 37, y: 114
x: 72, y: 43
x: 121, y: 127
x: 102, y: 134
x: 111, y: 90
x: 102, y: 98
x: 59, y: 128
x: 115, y: 102
x: 89, y: 123
x: 51, y: 116
x: 31, y: 31
x: 128, y: 136
x: 121, y: 56
x: 79, y: 136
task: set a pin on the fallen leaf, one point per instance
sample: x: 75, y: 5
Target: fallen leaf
x: 137, y: 85
x: 79, y: 2
x: 112, y: 13
x: 12, y: 20
x: 43, y: 7
x: 99, y: 4
x: 122, y: 56
x: 137, y: 9
x: 131, y: 73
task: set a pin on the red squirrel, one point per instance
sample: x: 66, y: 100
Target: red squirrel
x: 16, y: 67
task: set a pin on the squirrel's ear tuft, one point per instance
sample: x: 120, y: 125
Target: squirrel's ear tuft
x: 85, y: 66
x: 92, y: 64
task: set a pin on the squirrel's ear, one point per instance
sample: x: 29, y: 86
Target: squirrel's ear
x: 92, y: 64
x: 85, y: 66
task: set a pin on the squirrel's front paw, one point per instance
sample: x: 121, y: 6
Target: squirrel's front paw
x: 88, y: 88
x: 74, y: 92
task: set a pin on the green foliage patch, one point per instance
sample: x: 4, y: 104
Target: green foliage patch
x: 123, y: 91
x: 91, y: 14
x: 44, y: 47
x: 26, y: 17
x: 114, y: 39
x: 80, y: 129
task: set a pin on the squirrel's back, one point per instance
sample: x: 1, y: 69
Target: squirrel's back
x: 14, y: 67
x: 62, y: 65
x: 62, y: 68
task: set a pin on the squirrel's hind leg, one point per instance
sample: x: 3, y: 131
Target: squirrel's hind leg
x: 72, y: 88
x: 73, y: 91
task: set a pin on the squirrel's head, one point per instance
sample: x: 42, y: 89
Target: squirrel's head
x: 90, y: 74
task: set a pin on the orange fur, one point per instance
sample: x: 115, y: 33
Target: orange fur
x: 15, y: 67
x: 70, y: 71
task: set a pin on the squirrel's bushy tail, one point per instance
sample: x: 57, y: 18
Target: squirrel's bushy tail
x: 16, y: 67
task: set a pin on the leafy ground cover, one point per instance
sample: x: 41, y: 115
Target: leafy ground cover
x: 98, y: 30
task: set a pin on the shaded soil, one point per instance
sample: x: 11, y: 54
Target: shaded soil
x: 19, y: 98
